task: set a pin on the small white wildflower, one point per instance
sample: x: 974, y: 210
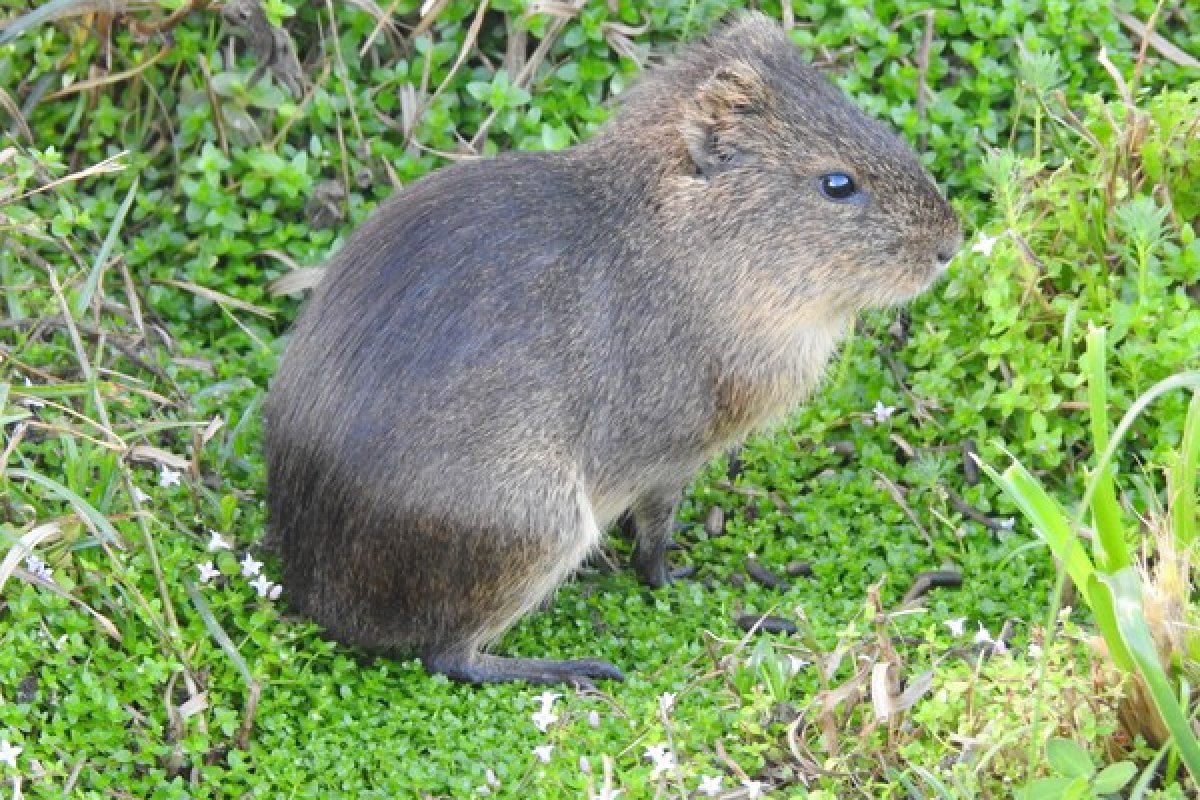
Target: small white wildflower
x: 250, y: 567
x: 543, y: 752
x: 546, y: 699
x: 216, y: 542
x: 544, y: 719
x: 208, y: 571
x: 1007, y: 523
x: 999, y: 648
x: 32, y: 402
x: 139, y: 495
x: 1035, y: 650
x: 37, y: 567
x: 168, y: 477
x: 796, y: 663
x: 9, y: 753
x: 754, y: 789
x: 585, y: 766
x: 608, y: 793
x: 665, y: 764
x: 984, y: 244
x: 710, y: 785
x: 594, y: 718
x: 276, y: 590
x: 957, y: 626
x: 490, y: 776
x: 882, y: 412
x: 666, y: 701
x: 982, y: 636
x: 656, y: 752
x: 262, y: 585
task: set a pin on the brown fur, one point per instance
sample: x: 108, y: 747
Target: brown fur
x: 511, y: 353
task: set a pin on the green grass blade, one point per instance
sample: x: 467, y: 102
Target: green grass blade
x: 1112, y: 552
x: 88, y: 291
x: 1104, y: 611
x: 1182, y: 380
x: 1126, y: 588
x: 1183, y: 479
x: 1049, y: 519
x: 83, y: 508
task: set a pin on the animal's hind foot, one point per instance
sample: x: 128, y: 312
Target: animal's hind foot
x: 480, y: 668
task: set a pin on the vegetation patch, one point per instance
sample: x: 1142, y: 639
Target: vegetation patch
x: 162, y: 169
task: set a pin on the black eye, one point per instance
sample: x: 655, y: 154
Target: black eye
x: 838, y: 186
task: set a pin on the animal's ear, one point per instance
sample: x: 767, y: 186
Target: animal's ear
x: 711, y: 121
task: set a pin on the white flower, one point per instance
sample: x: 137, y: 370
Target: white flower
x: 1007, y: 523
x: 882, y: 412
x: 542, y: 752
x: 594, y: 718
x: 139, y: 495
x: 666, y: 764
x: 250, y: 567
x: 490, y: 776
x: 37, y: 567
x: 999, y: 648
x: 796, y: 663
x: 168, y: 477
x: 666, y: 701
x: 208, y: 571
x: 585, y: 766
x: 984, y: 244
x: 276, y: 590
x: 607, y: 793
x: 710, y: 785
x: 216, y: 542
x: 982, y: 636
x: 9, y: 753
x: 956, y: 625
x: 262, y: 584
x: 544, y: 719
x: 32, y: 402
x: 663, y: 758
x: 754, y: 789
x: 656, y: 752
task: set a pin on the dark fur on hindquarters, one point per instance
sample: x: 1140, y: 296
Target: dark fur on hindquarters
x: 511, y: 353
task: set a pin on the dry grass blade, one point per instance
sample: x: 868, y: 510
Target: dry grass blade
x: 110, y: 164
x: 66, y: 9
x: 1160, y: 43
x: 146, y: 453
x: 220, y: 298
x: 299, y: 280
x: 112, y: 77
x: 14, y: 112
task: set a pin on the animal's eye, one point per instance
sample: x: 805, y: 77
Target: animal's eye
x: 838, y: 186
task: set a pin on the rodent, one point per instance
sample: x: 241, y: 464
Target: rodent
x: 510, y: 353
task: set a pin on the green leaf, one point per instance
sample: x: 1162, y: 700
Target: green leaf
x: 1069, y: 759
x: 1052, y: 788
x: 1112, y: 552
x: 1049, y: 519
x: 1183, y: 480
x: 88, y: 291
x: 1114, y: 777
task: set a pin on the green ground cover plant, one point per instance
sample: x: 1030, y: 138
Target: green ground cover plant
x: 161, y: 169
